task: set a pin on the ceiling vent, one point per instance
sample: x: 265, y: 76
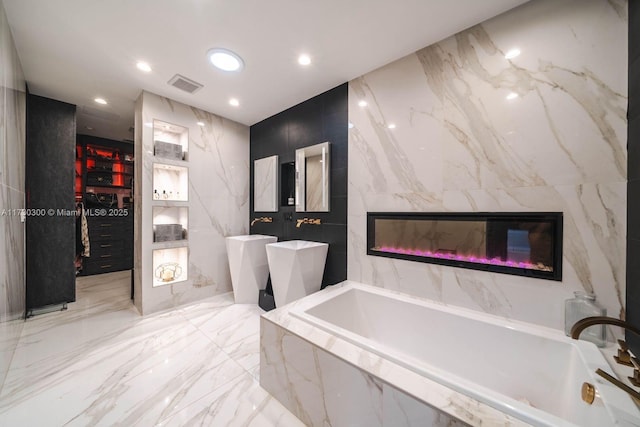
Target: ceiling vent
x: 185, y: 84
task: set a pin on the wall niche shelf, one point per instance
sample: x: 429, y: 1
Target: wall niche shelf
x: 170, y: 182
x: 287, y: 184
x: 170, y: 141
x: 170, y: 266
x: 170, y: 210
x: 170, y: 224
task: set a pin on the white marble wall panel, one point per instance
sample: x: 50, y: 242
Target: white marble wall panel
x: 474, y: 131
x: 12, y: 196
x: 218, y: 202
x: 402, y: 410
x: 315, y: 386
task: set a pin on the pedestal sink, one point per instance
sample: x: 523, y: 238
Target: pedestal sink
x: 248, y: 265
x: 296, y: 268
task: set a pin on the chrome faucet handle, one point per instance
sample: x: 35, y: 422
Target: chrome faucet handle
x: 623, y: 357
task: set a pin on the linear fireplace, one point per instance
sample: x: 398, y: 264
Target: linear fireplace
x: 519, y: 243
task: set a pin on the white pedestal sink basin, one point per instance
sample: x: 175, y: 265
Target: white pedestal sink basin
x: 296, y: 268
x: 248, y: 265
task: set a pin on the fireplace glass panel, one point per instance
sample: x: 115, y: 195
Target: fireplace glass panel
x: 528, y: 244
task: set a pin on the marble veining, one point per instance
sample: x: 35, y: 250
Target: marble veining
x: 308, y: 344
x: 100, y: 363
x: 475, y: 131
x: 325, y: 380
x: 218, y: 201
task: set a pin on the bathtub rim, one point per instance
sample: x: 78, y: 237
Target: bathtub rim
x: 618, y: 404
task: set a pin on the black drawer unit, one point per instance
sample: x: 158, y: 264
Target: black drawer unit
x: 111, y: 243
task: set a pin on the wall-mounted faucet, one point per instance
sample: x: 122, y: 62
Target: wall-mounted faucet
x: 262, y: 219
x: 307, y: 221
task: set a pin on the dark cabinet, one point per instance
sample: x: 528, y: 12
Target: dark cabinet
x: 111, y: 242
x: 50, y: 231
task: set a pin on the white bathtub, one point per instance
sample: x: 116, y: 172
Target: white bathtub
x: 532, y: 373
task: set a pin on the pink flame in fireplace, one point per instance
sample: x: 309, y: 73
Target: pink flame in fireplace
x: 466, y: 258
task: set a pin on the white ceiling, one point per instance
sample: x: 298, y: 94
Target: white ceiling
x: 76, y: 50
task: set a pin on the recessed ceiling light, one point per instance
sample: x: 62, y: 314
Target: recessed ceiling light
x: 391, y: 126
x: 512, y: 53
x: 225, y: 59
x: 234, y: 102
x: 362, y: 103
x: 304, y: 59
x: 200, y: 123
x: 143, y: 66
x: 512, y: 95
x: 101, y: 101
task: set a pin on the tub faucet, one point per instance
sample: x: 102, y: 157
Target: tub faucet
x: 583, y: 324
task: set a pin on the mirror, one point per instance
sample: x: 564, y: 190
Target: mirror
x: 265, y: 184
x: 312, y: 178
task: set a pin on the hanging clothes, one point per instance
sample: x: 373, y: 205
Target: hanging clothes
x: 84, y: 232
x: 82, y: 237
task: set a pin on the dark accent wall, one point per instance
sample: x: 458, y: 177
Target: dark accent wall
x: 50, y: 156
x: 633, y: 186
x: 319, y: 119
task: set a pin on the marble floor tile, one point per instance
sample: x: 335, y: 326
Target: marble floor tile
x: 247, y: 353
x: 231, y: 324
x: 101, y: 363
x: 241, y: 402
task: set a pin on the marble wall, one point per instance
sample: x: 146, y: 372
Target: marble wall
x: 218, y: 201
x: 12, y: 196
x: 474, y: 131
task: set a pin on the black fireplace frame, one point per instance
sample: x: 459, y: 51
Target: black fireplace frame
x: 556, y: 218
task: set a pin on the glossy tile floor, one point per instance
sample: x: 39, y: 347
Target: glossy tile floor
x: 100, y: 363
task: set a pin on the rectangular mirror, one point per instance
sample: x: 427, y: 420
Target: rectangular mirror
x: 265, y: 184
x: 312, y: 178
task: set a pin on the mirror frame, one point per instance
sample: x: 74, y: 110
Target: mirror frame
x: 264, y: 182
x: 302, y: 154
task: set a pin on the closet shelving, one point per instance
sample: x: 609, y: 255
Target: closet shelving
x: 103, y: 184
